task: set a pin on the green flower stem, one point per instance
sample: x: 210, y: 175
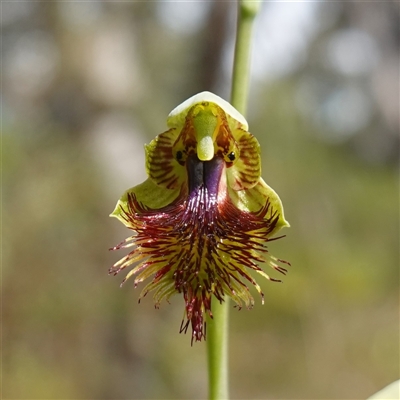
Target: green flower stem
x: 241, y: 66
x: 217, y: 328
x: 217, y: 347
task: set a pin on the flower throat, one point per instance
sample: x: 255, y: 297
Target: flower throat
x: 205, y: 174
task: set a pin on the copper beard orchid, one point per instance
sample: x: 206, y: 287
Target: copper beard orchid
x: 202, y: 218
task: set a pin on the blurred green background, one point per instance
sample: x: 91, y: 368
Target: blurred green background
x: 86, y: 84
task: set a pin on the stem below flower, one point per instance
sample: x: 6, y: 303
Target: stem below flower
x: 217, y: 346
x: 217, y: 328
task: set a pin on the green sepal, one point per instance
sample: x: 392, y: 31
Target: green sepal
x: 176, y: 118
x: 252, y: 200
x: 147, y: 193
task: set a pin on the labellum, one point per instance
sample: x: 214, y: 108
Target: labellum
x: 202, y: 219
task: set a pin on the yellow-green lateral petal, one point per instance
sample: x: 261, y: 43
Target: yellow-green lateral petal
x: 161, y: 165
x: 246, y: 172
x: 149, y: 194
x: 252, y: 200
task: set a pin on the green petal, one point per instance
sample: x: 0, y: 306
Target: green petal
x: 252, y: 200
x: 246, y: 171
x: 149, y: 194
x: 161, y: 165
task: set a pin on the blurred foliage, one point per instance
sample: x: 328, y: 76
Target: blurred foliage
x: 85, y: 85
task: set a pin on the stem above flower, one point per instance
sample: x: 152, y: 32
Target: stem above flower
x: 241, y: 64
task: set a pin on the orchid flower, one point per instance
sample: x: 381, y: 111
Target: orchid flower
x: 203, y: 217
